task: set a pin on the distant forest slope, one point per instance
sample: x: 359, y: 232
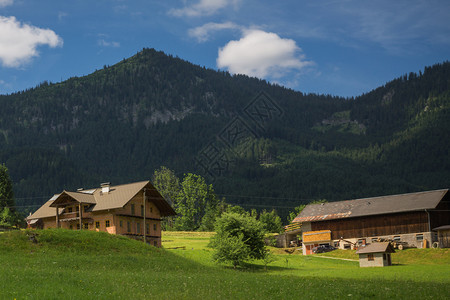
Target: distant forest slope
x: 261, y: 145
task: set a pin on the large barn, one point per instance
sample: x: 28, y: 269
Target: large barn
x: 407, y: 219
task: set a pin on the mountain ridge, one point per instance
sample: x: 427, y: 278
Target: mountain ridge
x: 122, y: 122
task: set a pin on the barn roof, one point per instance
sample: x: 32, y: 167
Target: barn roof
x: 371, y: 206
x: 384, y: 247
x: 116, y: 197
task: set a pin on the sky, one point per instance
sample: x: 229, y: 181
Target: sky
x: 342, y: 48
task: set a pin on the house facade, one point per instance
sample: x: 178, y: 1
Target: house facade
x: 133, y: 210
x: 406, y: 219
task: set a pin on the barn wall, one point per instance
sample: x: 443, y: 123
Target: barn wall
x: 393, y: 224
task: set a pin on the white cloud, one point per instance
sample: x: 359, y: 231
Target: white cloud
x: 18, y: 42
x: 61, y: 15
x: 261, y: 54
x: 4, y: 3
x: 203, y: 32
x: 202, y: 8
x: 104, y: 43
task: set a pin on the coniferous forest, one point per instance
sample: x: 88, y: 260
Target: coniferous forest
x: 261, y: 145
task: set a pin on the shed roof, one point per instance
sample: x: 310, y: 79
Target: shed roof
x: 384, y: 247
x: 371, y: 206
x: 117, y: 197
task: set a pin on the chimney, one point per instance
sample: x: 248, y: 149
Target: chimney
x: 105, y: 187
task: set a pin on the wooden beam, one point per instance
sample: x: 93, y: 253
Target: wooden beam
x: 57, y: 216
x: 81, y: 216
x: 145, y: 225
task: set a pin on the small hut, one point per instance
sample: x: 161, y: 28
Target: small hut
x: 376, y: 255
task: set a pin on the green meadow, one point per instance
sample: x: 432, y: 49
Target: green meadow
x: 63, y: 264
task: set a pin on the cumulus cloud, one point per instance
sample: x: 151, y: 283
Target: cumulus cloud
x: 18, y: 42
x: 202, y: 33
x: 202, y: 8
x: 4, y: 3
x: 261, y: 54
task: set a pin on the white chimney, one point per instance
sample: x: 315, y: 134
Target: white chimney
x: 105, y: 187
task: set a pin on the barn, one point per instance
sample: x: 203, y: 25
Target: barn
x: 405, y: 219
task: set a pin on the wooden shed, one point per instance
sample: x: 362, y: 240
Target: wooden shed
x: 376, y: 255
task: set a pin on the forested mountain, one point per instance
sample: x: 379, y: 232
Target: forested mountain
x: 261, y: 145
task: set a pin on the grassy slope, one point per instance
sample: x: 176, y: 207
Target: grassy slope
x: 81, y: 264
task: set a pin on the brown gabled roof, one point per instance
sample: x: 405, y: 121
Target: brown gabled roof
x: 384, y: 247
x: 371, y: 206
x: 117, y: 197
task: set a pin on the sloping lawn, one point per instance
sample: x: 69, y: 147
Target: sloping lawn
x: 90, y: 265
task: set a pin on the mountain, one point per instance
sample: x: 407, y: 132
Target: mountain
x: 260, y: 144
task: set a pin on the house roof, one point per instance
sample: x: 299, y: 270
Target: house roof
x: 384, y: 247
x: 371, y: 206
x: 116, y: 197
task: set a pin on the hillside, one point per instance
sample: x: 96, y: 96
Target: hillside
x: 85, y: 264
x: 121, y: 123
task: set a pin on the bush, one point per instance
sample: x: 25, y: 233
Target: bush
x: 238, y: 238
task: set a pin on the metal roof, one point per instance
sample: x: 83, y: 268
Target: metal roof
x: 384, y: 247
x: 371, y: 206
x: 117, y: 197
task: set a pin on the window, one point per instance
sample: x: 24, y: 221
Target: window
x: 78, y: 226
x: 97, y: 224
x: 370, y: 257
x: 147, y: 228
x: 128, y: 226
x: 86, y: 225
x: 154, y: 227
x: 132, y: 209
x: 69, y: 209
x: 142, y: 210
x: 384, y: 256
x: 138, y: 228
x: 151, y: 209
x: 121, y: 223
x: 107, y: 223
x: 396, y: 238
x: 77, y: 208
x: 419, y: 237
x: 85, y: 208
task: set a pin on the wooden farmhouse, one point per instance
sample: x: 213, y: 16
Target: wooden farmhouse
x: 406, y: 219
x: 131, y: 209
x: 376, y: 255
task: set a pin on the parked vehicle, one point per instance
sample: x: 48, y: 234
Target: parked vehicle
x: 323, y: 248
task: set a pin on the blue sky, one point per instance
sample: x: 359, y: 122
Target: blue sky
x: 342, y: 48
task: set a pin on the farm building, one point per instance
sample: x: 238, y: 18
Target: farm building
x: 375, y: 255
x: 128, y: 209
x: 406, y: 219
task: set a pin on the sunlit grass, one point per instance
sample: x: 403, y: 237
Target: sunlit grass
x: 89, y: 265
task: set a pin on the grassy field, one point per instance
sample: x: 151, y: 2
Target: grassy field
x: 90, y: 265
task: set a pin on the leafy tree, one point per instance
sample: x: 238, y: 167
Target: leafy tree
x: 231, y: 249
x: 168, y: 185
x: 196, y: 204
x: 246, y: 235
x: 271, y: 221
x: 8, y: 217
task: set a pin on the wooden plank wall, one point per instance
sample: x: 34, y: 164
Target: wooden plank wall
x: 374, y: 225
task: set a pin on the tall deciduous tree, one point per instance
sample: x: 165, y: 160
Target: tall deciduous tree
x: 168, y: 185
x: 196, y: 204
x: 8, y: 217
